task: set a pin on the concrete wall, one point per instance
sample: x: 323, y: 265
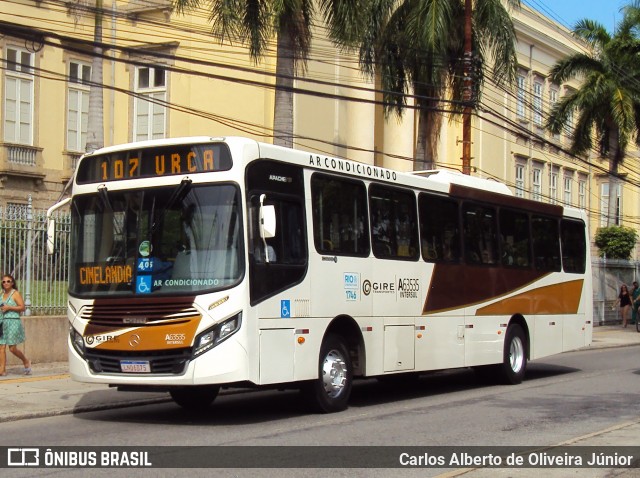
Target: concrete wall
x: 46, y: 340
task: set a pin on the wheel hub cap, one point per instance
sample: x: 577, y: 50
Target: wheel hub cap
x: 334, y: 373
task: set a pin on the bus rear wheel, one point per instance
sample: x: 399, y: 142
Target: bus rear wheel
x: 514, y: 363
x: 195, y: 398
x: 330, y: 392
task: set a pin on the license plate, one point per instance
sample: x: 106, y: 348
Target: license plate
x: 135, y: 366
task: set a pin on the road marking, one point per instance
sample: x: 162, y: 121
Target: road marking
x: 29, y: 378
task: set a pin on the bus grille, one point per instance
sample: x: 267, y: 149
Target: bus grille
x: 161, y: 362
x: 140, y: 314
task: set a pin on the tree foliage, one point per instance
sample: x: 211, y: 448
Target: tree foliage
x: 416, y: 47
x: 616, y: 242
x: 606, y: 107
x: 255, y: 23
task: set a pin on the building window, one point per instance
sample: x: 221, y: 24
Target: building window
x: 78, y: 105
x: 604, y: 205
x: 567, y: 189
x: 521, y: 96
x: 553, y: 186
x: 149, y: 105
x: 520, y: 185
x: 568, y: 126
x: 18, y: 102
x: 553, y: 99
x: 582, y: 193
x: 537, y: 103
x: 536, y: 191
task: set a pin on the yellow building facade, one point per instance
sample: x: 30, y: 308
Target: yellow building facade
x: 168, y: 75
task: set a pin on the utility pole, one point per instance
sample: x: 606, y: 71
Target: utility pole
x: 467, y: 95
x: 95, y: 124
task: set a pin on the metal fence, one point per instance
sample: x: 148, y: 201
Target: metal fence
x: 41, y: 277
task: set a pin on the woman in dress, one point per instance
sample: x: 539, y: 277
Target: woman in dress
x: 624, y: 301
x: 12, y: 329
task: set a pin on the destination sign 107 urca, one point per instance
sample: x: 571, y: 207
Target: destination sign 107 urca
x: 154, y: 162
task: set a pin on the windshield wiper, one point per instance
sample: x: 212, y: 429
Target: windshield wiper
x: 178, y: 194
x: 104, y: 196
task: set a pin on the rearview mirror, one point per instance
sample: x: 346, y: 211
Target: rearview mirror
x: 267, y: 219
x: 51, y: 236
x: 51, y: 225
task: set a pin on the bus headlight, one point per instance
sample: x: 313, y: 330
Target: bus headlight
x: 216, y: 334
x: 76, y: 340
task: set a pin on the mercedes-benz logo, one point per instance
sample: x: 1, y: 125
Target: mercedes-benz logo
x: 134, y: 340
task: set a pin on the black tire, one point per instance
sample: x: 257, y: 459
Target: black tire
x: 330, y: 392
x: 638, y: 322
x: 514, y: 362
x: 195, y: 398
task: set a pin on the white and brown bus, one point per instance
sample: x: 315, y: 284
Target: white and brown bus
x: 205, y: 262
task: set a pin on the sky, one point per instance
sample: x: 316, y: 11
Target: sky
x: 567, y: 12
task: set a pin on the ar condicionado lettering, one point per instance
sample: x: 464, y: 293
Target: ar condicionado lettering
x: 105, y: 275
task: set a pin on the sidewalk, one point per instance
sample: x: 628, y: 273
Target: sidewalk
x: 49, y: 391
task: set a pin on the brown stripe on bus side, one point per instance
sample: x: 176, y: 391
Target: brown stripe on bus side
x: 563, y: 298
x: 454, y: 286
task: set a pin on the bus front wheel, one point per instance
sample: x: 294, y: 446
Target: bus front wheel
x: 195, y: 398
x: 330, y: 392
x: 514, y: 362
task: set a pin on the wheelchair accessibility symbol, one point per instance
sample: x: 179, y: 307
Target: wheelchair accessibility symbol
x: 285, y: 309
x: 143, y: 285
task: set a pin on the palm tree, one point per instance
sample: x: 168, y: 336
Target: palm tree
x: 607, y: 104
x: 95, y: 124
x: 256, y: 22
x: 419, y: 45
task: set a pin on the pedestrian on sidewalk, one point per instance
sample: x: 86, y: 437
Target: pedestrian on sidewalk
x: 635, y: 302
x: 624, y: 301
x: 12, y: 328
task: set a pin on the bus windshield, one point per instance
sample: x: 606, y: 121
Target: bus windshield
x: 156, y: 241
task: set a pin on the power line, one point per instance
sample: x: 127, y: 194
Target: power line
x: 297, y: 90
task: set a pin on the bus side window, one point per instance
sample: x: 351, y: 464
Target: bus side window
x: 574, y: 247
x: 480, y: 234
x: 439, y: 229
x: 288, y: 245
x: 340, y: 223
x: 546, y: 246
x: 514, y: 238
x: 394, y: 231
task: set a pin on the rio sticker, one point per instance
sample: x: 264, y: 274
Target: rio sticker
x: 351, y: 285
